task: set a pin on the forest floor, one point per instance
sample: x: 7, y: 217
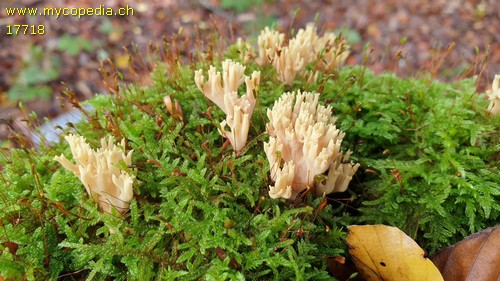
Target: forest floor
x: 450, y: 40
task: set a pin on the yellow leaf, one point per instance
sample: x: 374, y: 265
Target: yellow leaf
x: 121, y: 61
x: 386, y: 253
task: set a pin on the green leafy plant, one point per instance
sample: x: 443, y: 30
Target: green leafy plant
x: 239, y: 6
x: 435, y: 152
x: 74, y: 45
x: 37, y: 71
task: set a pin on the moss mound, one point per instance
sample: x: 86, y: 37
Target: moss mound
x: 428, y: 151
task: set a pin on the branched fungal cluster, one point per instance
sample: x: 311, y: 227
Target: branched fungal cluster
x: 304, y: 147
x: 99, y: 171
x: 304, y: 143
x: 494, y: 96
x: 306, y: 47
x: 223, y: 91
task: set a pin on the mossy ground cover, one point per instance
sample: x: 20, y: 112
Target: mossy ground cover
x: 429, y: 156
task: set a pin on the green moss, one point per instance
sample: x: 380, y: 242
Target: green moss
x: 429, y: 165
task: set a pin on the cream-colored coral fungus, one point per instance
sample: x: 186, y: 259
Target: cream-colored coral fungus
x: 238, y: 110
x: 494, y: 96
x: 305, y: 42
x: 303, y: 143
x: 306, y: 47
x: 174, y: 108
x: 333, y: 51
x: 245, y: 50
x: 269, y: 41
x: 288, y: 62
x: 99, y: 172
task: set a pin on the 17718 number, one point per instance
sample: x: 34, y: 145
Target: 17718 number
x: 15, y: 29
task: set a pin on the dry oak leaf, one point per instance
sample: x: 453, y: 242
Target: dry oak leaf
x: 477, y: 257
x: 386, y: 253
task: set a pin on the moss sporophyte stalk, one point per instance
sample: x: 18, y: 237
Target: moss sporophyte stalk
x: 250, y: 164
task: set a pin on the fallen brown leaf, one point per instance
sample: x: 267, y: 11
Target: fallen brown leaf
x: 477, y: 257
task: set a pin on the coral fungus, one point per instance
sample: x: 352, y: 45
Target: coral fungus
x: 269, y: 41
x: 304, y: 142
x: 494, y: 96
x: 238, y: 110
x: 306, y: 47
x: 98, y: 170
